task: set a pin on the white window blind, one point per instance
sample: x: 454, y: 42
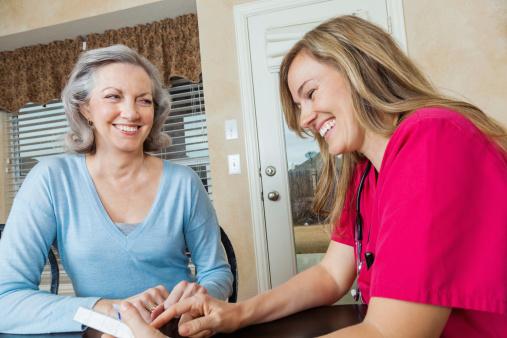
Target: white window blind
x: 38, y: 132
x: 188, y: 130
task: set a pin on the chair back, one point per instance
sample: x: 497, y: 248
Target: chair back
x: 231, y: 258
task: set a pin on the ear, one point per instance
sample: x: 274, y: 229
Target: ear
x: 84, y: 110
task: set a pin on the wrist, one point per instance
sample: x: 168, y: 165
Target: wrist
x: 105, y: 306
x: 245, y: 313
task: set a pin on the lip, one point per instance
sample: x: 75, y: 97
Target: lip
x: 127, y: 124
x: 321, y: 123
x: 128, y: 133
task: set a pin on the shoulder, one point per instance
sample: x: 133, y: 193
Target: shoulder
x: 59, y: 165
x: 435, y: 129
x: 178, y: 172
x: 49, y: 174
x: 438, y: 118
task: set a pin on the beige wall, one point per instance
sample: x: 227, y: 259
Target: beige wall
x: 3, y: 167
x: 222, y: 97
x: 23, y: 15
x: 462, y: 46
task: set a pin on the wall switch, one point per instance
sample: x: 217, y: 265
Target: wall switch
x: 234, y: 165
x: 231, y: 129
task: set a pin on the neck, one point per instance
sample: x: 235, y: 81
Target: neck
x: 116, y: 166
x: 374, y: 147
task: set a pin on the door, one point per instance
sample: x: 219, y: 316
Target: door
x: 295, y: 237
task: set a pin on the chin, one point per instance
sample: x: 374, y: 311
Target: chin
x: 336, y: 150
x: 129, y: 149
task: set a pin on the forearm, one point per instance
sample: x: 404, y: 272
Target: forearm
x: 218, y: 281
x: 33, y: 311
x: 218, y: 289
x: 311, y: 288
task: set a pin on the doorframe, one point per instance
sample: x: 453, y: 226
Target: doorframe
x: 242, y: 12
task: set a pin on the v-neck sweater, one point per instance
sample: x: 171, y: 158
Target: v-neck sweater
x: 58, y: 203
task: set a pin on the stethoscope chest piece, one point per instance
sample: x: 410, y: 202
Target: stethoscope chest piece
x: 369, y: 258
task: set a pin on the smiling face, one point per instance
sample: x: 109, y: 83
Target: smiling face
x: 121, y: 107
x: 325, y: 101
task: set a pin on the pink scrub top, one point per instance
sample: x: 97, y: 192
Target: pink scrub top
x: 435, y: 219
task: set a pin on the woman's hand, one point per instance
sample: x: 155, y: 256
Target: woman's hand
x: 208, y: 316
x: 181, y: 291
x: 147, y: 302
x: 131, y: 316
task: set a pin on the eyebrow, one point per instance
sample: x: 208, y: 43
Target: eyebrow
x: 117, y: 89
x: 104, y: 89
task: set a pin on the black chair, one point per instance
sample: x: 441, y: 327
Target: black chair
x: 53, y: 263
x: 231, y: 258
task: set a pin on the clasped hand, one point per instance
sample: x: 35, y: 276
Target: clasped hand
x: 152, y: 302
x: 204, y: 315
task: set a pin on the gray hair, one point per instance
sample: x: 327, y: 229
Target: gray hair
x: 80, y: 137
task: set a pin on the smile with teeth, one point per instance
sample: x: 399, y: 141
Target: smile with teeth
x: 326, y: 127
x: 126, y: 129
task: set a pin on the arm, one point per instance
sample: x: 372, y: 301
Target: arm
x: 412, y: 320
x: 29, y: 232
x: 202, y: 236
x: 322, y: 284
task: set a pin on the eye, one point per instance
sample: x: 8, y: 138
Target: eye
x: 112, y: 96
x: 145, y: 102
x: 310, y: 94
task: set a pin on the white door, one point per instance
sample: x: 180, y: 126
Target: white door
x: 287, y: 163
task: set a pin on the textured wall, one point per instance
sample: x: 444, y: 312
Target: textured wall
x: 23, y: 15
x: 222, y: 96
x: 3, y: 167
x: 462, y: 46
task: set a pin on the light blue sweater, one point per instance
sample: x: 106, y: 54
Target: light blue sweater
x: 58, y: 202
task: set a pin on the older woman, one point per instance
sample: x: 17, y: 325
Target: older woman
x: 419, y: 203
x: 122, y: 219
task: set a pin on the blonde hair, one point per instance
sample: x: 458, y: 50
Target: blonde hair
x: 386, y: 87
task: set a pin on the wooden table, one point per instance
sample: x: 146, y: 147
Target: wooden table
x: 309, y: 323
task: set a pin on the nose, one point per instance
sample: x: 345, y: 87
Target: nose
x: 129, y: 110
x: 307, y: 117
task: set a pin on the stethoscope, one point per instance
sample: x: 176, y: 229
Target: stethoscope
x: 358, y: 234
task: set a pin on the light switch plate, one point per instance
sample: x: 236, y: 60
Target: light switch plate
x: 234, y: 164
x: 231, y: 129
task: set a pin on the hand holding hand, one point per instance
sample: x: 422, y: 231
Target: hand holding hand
x: 147, y: 302
x: 182, y: 290
x: 208, y: 314
x: 131, y: 316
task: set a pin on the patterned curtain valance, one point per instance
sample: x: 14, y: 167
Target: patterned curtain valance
x: 39, y: 73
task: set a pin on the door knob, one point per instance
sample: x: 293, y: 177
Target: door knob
x: 273, y: 195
